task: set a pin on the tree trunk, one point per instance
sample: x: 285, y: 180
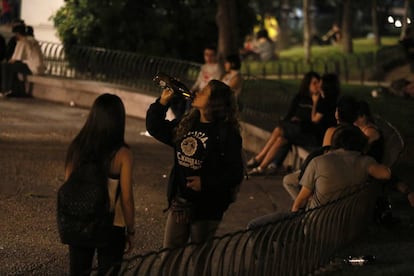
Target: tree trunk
x: 227, y: 24
x: 307, y: 30
x: 375, y: 23
x: 347, y: 28
x: 283, y: 41
x: 404, y: 20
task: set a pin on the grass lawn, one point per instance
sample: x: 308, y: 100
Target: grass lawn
x: 366, y: 62
x: 361, y: 46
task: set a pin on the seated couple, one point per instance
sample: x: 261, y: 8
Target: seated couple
x: 337, y: 173
x: 310, y: 113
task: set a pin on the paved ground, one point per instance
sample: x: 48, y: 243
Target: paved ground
x: 34, y: 136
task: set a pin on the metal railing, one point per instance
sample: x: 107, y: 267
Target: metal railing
x: 116, y: 67
x: 351, y: 67
x: 296, y: 245
x: 136, y: 71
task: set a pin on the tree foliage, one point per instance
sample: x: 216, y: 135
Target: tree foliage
x: 169, y: 28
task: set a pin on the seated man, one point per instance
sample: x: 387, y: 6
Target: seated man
x: 338, y: 172
x: 27, y: 59
x: 335, y: 174
x: 346, y: 113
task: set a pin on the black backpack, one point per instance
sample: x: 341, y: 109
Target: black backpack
x: 83, y: 214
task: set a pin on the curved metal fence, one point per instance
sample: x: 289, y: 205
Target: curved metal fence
x: 117, y: 67
x: 295, y: 245
x: 136, y: 71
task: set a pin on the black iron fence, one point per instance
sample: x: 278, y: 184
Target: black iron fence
x: 136, y: 71
x: 296, y: 245
x: 350, y: 67
x: 117, y: 67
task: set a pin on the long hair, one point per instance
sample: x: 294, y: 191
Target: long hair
x: 331, y: 87
x: 306, y: 81
x: 349, y: 137
x: 364, y: 110
x: 234, y: 61
x: 102, y: 133
x: 347, y: 108
x: 221, y: 108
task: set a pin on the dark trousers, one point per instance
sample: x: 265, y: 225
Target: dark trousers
x: 10, y: 80
x: 109, y: 257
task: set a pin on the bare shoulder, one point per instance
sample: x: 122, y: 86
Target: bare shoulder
x: 124, y: 154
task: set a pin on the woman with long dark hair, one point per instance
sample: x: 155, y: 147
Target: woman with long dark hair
x: 101, y: 140
x: 299, y: 127
x: 207, y: 161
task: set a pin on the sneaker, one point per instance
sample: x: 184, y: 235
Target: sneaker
x: 256, y: 171
x: 272, y: 169
x: 252, y: 163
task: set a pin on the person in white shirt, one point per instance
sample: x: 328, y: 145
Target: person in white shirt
x: 27, y: 59
x: 210, y: 70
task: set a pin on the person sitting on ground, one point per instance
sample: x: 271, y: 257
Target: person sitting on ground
x: 247, y: 52
x: 333, y: 36
x: 305, y: 122
x: 340, y: 171
x: 346, y: 114
x: 232, y: 76
x: 27, y: 59
x: 264, y: 46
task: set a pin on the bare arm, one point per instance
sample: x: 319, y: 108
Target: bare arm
x: 302, y: 198
x: 372, y: 134
x: 68, y: 171
x: 235, y: 84
x: 379, y: 171
x: 315, y: 116
x: 127, y: 196
x: 327, y: 138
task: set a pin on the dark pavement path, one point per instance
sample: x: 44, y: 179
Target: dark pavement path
x: 34, y: 136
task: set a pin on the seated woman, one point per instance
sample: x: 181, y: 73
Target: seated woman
x: 232, y: 76
x: 376, y: 146
x: 310, y: 113
x: 346, y: 114
x: 367, y: 125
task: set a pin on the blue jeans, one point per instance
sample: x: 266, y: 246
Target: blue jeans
x: 178, y: 234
